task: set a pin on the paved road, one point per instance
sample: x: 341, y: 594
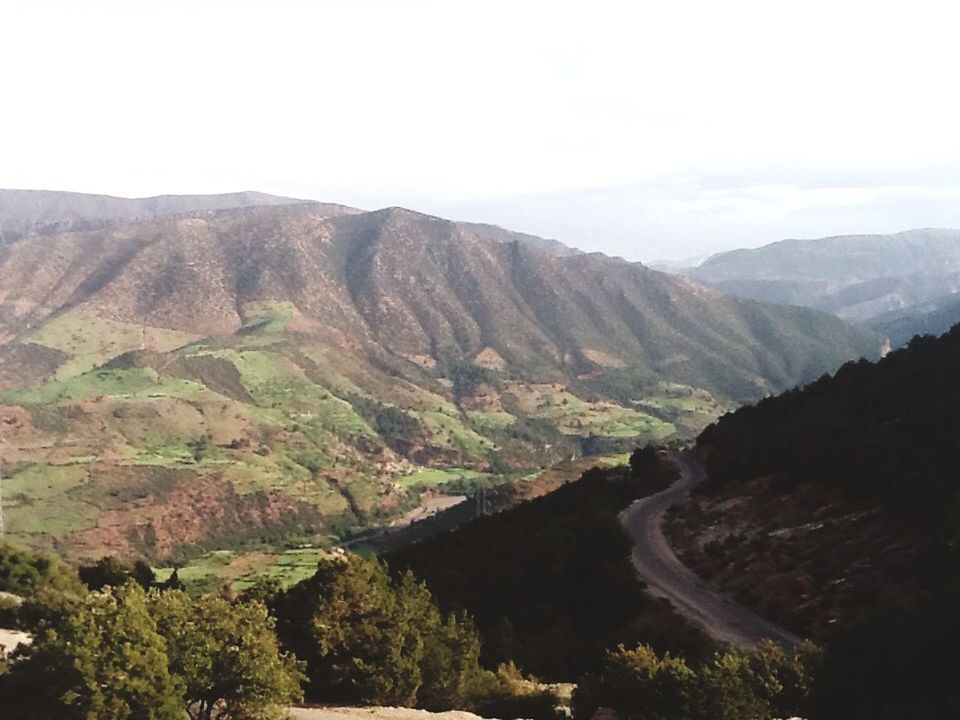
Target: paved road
x: 667, y: 577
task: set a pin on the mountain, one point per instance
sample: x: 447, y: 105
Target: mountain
x: 834, y: 509
x: 499, y: 234
x: 45, y: 212
x: 934, y: 317
x: 857, y: 277
x: 848, y: 484
x: 279, y: 372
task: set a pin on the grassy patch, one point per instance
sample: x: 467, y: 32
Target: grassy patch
x: 448, y: 431
x: 90, y: 340
x: 487, y: 420
x: 432, y: 477
x: 115, y: 382
x: 37, y: 500
x: 267, y: 316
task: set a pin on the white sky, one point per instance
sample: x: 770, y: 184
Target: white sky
x: 642, y: 129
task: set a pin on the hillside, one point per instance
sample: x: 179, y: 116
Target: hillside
x: 848, y: 486
x: 259, y: 373
x: 857, y: 277
x: 834, y: 509
x: 934, y: 317
x: 45, y: 212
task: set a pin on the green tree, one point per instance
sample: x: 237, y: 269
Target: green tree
x: 639, y: 685
x: 104, y: 659
x: 227, y: 657
x: 27, y: 573
x: 727, y: 690
x: 347, y: 624
x: 368, y: 638
x: 732, y: 685
x: 782, y: 678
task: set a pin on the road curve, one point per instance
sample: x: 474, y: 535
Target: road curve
x: 667, y: 577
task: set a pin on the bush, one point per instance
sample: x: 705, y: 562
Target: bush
x: 367, y: 638
x: 640, y: 685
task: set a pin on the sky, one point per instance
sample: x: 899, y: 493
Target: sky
x: 648, y: 130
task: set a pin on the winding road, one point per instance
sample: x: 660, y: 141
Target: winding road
x: 666, y: 577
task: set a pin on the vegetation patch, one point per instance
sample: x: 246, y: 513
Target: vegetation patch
x: 432, y: 477
x: 91, y: 340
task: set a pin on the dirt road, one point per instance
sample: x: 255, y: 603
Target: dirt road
x: 667, y: 577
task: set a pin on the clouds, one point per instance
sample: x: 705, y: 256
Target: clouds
x: 610, y: 118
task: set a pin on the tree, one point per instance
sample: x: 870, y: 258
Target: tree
x: 103, y: 660
x: 639, y: 685
x: 732, y: 685
x: 143, y: 574
x: 347, y: 624
x: 107, y: 571
x: 27, y: 573
x: 726, y: 690
x: 227, y: 657
x: 367, y: 638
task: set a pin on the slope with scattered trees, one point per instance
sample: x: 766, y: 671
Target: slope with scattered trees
x: 836, y: 509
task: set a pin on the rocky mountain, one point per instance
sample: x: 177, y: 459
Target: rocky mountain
x: 284, y: 371
x: 857, y: 277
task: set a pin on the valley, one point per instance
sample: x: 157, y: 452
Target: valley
x: 199, y: 377
x: 898, y: 285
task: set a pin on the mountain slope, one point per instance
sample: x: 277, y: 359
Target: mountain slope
x: 857, y: 277
x: 836, y: 510
x: 275, y: 371
x: 929, y: 318
x: 499, y: 234
x: 44, y: 212
x: 837, y: 500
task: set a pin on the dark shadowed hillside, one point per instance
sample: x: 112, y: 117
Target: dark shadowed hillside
x: 836, y: 509
x: 838, y: 493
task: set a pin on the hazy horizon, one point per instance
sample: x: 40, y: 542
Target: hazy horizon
x: 646, y: 132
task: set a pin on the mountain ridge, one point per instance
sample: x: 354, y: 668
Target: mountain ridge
x: 857, y: 277
x: 319, y: 375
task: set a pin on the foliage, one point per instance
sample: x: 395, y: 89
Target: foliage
x: 105, y: 660
x: 896, y: 664
x: 884, y: 435
x: 226, y: 655
x: 732, y: 685
x: 550, y: 582
x: 113, y: 572
x: 27, y: 573
x: 883, y: 431
x: 370, y: 639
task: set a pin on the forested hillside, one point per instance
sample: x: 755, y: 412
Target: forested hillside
x: 836, y: 509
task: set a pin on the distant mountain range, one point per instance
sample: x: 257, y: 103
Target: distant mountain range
x: 200, y: 370
x: 868, y: 279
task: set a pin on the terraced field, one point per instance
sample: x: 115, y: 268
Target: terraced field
x: 276, y: 376
x: 143, y: 441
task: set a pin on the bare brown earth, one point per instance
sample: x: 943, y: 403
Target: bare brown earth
x: 183, y: 513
